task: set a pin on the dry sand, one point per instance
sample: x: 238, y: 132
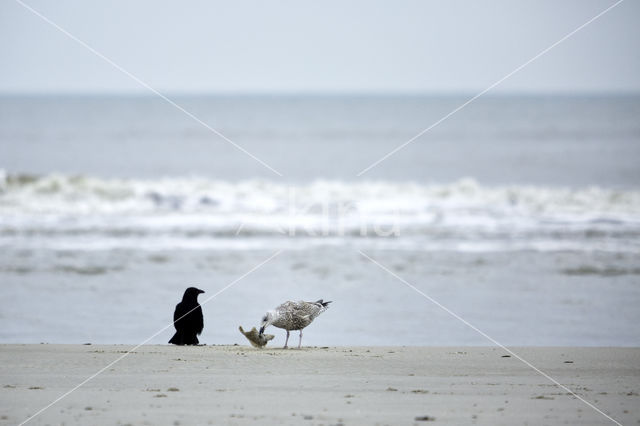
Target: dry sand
x: 170, y: 385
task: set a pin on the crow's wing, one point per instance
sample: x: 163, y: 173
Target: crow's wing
x: 198, y: 320
x: 179, y: 318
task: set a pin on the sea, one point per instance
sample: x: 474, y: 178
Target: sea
x: 518, y: 216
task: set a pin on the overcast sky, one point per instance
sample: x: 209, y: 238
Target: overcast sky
x: 319, y: 46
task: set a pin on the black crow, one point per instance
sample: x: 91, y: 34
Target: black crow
x: 187, y: 319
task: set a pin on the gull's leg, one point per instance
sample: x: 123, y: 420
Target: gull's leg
x: 300, y: 342
x: 286, y: 341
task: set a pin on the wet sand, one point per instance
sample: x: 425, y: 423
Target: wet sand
x: 170, y: 385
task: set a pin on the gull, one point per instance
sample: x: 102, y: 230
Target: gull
x: 293, y: 316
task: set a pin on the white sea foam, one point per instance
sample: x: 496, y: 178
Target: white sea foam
x: 198, y: 212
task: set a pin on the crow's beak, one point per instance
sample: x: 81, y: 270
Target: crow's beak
x: 200, y: 291
x: 261, y: 331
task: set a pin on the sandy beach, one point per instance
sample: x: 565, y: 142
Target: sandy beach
x: 317, y: 385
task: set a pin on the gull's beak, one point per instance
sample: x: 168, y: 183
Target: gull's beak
x: 261, y: 331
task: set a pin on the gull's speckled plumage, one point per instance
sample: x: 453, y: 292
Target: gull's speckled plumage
x: 294, y: 316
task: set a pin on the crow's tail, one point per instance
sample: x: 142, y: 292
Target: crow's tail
x: 177, y: 339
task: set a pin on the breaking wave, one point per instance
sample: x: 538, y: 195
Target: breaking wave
x: 199, y: 212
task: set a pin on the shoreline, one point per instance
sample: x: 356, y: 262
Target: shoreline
x: 162, y: 384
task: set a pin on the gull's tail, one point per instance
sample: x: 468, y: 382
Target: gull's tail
x: 324, y: 305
